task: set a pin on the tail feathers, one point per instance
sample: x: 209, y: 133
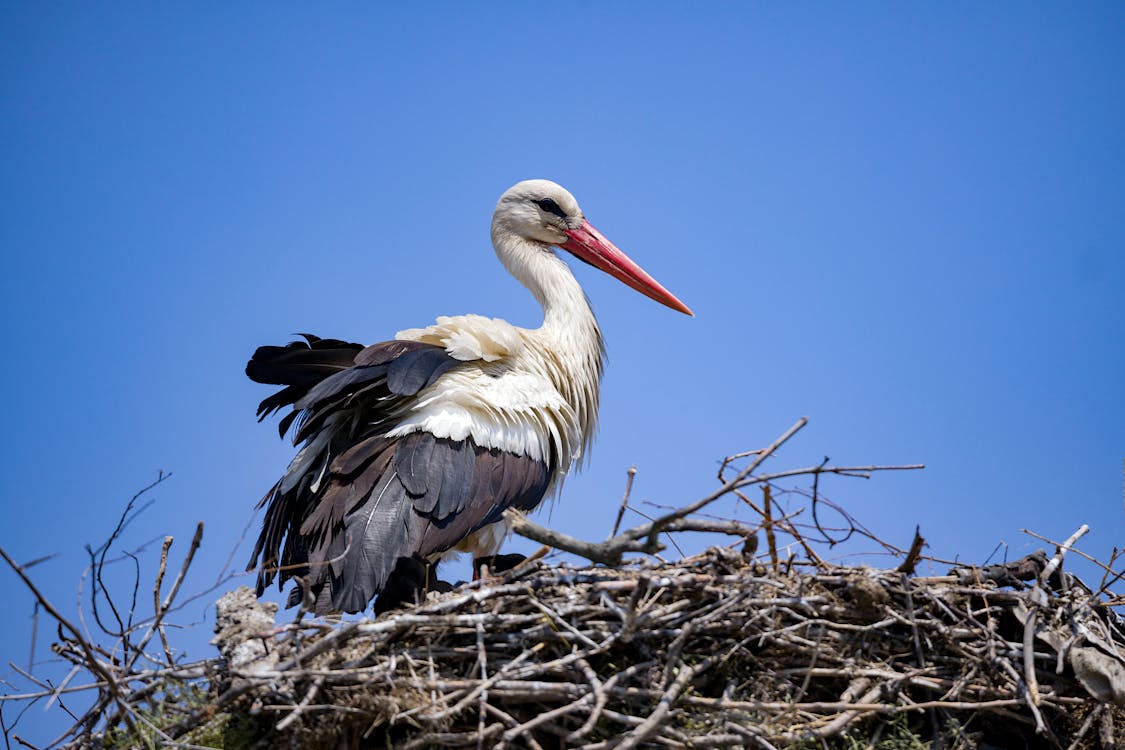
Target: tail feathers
x: 407, y: 584
x: 300, y: 366
x: 301, y: 363
x: 352, y: 546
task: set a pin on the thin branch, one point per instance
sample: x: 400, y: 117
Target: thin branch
x: 624, y: 500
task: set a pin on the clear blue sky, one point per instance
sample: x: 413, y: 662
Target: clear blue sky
x: 905, y: 221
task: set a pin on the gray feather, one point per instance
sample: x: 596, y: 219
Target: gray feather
x: 457, y: 478
x: 378, y: 533
x: 412, y: 461
x: 385, y: 351
x: 334, y: 385
x: 413, y: 371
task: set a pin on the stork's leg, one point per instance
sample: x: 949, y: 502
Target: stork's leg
x: 497, y: 563
x: 433, y: 583
x: 408, y: 584
x: 403, y: 587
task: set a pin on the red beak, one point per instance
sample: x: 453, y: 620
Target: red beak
x: 591, y: 246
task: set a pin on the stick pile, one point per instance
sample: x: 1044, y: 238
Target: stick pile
x: 734, y: 647
x: 713, y: 651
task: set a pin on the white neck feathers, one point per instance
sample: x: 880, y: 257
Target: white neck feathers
x: 569, y: 340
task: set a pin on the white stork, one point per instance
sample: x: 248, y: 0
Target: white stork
x: 414, y: 447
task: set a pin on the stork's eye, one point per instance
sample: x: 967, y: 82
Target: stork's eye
x: 549, y: 205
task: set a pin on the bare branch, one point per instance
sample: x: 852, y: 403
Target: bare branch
x: 624, y: 500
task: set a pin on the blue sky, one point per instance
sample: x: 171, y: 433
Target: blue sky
x: 903, y: 221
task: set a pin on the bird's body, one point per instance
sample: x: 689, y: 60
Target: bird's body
x: 414, y: 447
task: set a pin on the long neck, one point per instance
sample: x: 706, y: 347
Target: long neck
x: 569, y: 337
x: 567, y: 316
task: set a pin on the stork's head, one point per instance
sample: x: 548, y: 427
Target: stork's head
x: 546, y: 213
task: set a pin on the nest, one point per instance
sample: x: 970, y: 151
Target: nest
x: 734, y: 647
x: 716, y: 650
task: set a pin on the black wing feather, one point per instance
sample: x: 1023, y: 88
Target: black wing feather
x: 411, y: 459
x: 413, y: 371
x: 457, y: 479
x: 360, y: 527
x: 386, y: 352
x: 382, y: 502
x: 359, y: 455
x: 301, y: 363
x: 339, y: 383
x: 485, y: 503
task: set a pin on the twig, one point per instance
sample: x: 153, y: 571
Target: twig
x: 156, y: 593
x: 1105, y: 731
x: 1056, y: 561
x: 97, y: 556
x: 1089, y: 722
x: 482, y: 656
x: 166, y: 605
x: 317, y: 683
x: 914, y: 554
x: 767, y: 525
x: 624, y: 500
x: 600, y: 700
x: 606, y: 553
x: 698, y: 505
x: 1029, y: 655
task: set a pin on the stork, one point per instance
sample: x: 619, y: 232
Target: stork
x: 413, y: 448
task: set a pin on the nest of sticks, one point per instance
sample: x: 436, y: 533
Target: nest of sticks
x: 734, y: 647
x: 716, y: 650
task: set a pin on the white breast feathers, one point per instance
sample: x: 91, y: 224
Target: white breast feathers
x: 508, y: 396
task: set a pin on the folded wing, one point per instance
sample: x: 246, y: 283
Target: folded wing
x: 356, y: 504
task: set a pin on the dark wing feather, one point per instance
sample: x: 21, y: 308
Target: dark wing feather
x: 344, y: 491
x: 411, y: 459
x: 457, y: 472
x: 365, y: 514
x: 379, y: 532
x: 359, y: 455
x: 359, y: 527
x: 284, y: 397
x: 489, y: 495
x: 301, y: 363
x: 344, y: 518
x: 386, y: 352
x: 285, y: 422
x: 413, y: 371
x: 340, y: 383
